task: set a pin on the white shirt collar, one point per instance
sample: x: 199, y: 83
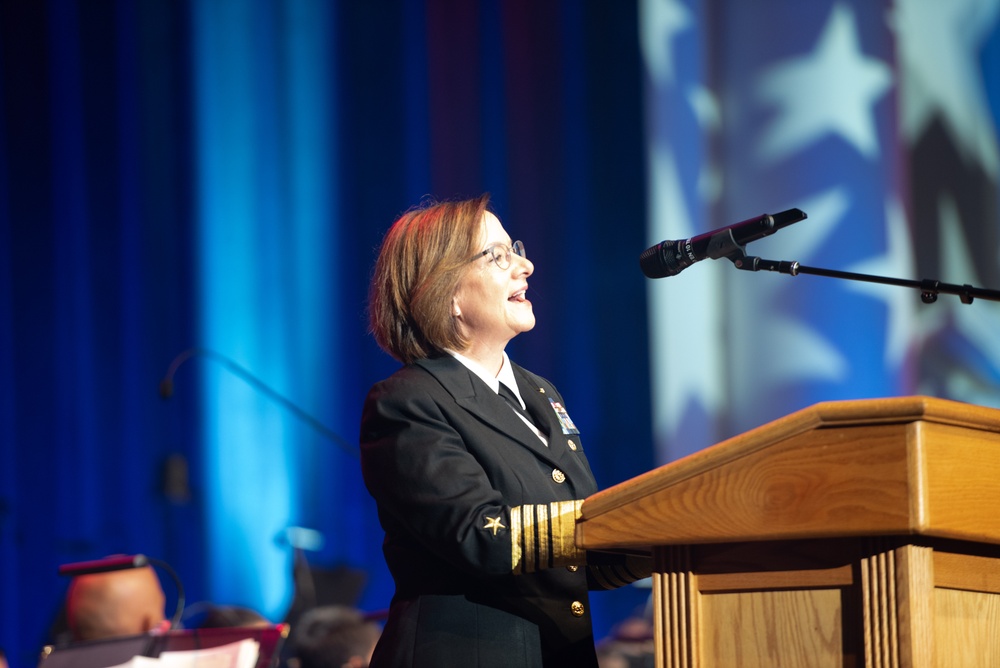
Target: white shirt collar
x: 505, y: 376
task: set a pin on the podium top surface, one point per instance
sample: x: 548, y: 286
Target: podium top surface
x: 893, y: 466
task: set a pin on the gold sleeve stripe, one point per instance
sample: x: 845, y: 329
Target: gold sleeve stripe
x: 564, y: 517
x: 544, y: 551
x: 516, y: 550
x: 544, y: 536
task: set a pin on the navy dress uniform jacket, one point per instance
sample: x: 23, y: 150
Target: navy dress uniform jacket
x: 479, y: 516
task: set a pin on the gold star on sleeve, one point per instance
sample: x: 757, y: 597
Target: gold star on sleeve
x: 494, y: 523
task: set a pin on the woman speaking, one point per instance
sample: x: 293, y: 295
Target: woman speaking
x: 475, y: 465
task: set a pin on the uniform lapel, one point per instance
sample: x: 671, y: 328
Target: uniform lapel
x: 473, y: 395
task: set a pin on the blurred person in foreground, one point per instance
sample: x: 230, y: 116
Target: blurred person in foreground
x: 478, y: 493
x: 115, y: 604
x: 232, y: 616
x: 333, y: 636
x: 630, y: 644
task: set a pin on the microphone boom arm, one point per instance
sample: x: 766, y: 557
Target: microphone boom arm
x: 929, y: 288
x: 167, y: 390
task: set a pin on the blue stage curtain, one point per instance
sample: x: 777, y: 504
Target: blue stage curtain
x: 98, y: 284
x: 218, y: 176
x: 179, y: 175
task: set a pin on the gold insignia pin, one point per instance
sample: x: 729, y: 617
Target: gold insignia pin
x: 494, y: 523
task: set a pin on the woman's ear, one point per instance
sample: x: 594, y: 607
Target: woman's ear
x: 455, y: 311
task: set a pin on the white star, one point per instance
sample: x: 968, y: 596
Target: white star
x: 832, y: 90
x: 939, y: 46
x: 902, y: 304
x: 808, y: 237
x: 973, y: 326
x: 680, y: 313
x: 776, y: 331
x: 660, y: 21
x: 794, y: 341
x: 979, y: 321
x: 769, y: 338
x: 706, y: 109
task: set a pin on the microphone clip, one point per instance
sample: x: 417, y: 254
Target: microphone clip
x: 723, y: 244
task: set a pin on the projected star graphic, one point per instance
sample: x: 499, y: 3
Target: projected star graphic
x: 841, y: 109
x: 830, y: 89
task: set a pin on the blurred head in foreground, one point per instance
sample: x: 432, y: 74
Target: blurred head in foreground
x: 114, y: 604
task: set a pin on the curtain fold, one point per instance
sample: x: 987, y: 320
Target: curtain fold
x: 187, y: 175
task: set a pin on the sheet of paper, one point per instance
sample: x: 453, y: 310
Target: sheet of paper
x: 240, y: 654
x: 139, y: 662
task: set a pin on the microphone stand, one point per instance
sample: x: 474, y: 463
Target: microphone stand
x: 167, y: 390
x: 929, y: 288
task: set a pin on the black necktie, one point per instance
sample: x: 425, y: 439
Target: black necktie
x: 511, y: 399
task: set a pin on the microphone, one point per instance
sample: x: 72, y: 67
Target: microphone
x: 669, y: 258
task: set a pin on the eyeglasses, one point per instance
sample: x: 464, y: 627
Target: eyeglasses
x: 500, y: 253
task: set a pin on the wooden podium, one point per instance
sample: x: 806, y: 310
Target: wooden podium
x: 853, y: 533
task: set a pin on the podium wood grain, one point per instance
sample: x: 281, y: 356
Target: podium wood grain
x: 856, y: 533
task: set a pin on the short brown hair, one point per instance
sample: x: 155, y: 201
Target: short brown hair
x: 423, y: 257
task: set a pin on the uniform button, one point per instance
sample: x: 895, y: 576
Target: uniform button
x: 558, y: 476
x: 571, y: 444
x: 572, y: 568
x: 576, y: 608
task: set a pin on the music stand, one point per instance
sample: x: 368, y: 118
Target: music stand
x: 95, y: 653
x: 115, y: 651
